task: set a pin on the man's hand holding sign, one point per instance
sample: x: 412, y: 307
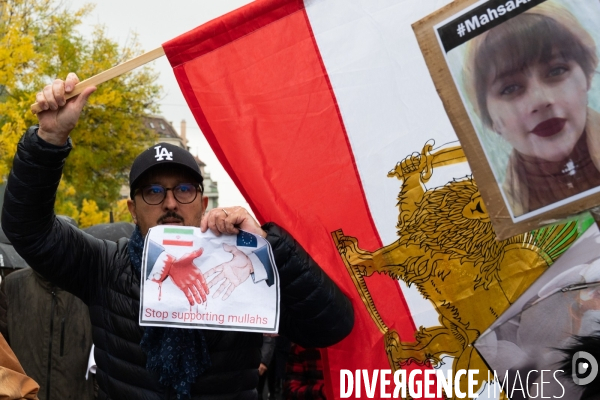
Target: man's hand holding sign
x: 230, y: 221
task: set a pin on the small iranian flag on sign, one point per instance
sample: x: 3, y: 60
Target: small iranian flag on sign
x: 178, y: 237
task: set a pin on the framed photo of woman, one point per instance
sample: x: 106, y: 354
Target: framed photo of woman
x: 520, y: 82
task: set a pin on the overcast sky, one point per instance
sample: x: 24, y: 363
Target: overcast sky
x: 155, y: 22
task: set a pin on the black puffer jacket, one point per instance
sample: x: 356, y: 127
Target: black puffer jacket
x: 314, y: 312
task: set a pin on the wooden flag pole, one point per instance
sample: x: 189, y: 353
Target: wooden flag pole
x: 111, y: 73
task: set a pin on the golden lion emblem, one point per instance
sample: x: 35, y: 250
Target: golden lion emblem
x: 447, y: 248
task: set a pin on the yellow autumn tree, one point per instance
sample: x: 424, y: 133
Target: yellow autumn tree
x: 121, y: 213
x: 66, y: 201
x: 39, y: 42
x: 88, y: 213
x: 91, y: 215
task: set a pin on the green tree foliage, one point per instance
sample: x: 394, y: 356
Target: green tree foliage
x: 39, y: 42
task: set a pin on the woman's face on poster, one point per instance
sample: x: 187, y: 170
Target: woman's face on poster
x: 541, y: 109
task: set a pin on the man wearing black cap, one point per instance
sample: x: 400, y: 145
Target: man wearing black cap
x: 166, y: 188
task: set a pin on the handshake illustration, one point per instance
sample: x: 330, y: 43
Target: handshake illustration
x: 190, y: 280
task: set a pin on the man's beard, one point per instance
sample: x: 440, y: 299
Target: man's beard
x: 169, y: 215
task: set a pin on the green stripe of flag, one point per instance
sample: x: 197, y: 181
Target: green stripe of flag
x: 182, y: 231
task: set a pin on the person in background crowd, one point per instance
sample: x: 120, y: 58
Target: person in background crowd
x: 49, y: 330
x: 277, y: 367
x: 266, y: 354
x: 304, y: 375
x: 14, y: 384
x: 54, y: 351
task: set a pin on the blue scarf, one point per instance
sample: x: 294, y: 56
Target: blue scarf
x: 179, y: 356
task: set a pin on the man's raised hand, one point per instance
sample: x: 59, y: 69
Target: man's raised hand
x: 59, y: 116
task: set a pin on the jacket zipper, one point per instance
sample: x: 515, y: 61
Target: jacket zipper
x: 62, y: 336
x: 50, y: 345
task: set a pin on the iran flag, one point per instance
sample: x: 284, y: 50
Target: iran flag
x: 308, y: 106
x: 178, y: 237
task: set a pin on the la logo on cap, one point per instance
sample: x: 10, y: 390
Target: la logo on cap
x: 162, y: 153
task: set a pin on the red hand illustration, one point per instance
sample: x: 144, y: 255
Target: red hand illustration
x: 159, y: 277
x: 186, y: 276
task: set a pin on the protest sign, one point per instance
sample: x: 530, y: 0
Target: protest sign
x: 237, y: 273
x: 517, y: 79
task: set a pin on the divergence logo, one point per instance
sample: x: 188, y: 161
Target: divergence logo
x: 585, y: 368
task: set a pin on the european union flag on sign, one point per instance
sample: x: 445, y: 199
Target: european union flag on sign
x: 246, y: 239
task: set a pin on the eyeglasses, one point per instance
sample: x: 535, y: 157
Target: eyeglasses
x: 184, y: 193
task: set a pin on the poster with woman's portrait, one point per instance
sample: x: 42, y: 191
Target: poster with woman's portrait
x: 520, y: 82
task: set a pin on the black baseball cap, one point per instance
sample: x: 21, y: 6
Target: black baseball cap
x: 161, y: 154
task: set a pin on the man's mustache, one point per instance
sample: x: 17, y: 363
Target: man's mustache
x: 169, y: 215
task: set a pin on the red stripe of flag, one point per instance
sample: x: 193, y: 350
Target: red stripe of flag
x: 177, y: 242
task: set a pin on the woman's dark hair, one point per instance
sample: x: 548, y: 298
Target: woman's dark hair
x: 523, y: 41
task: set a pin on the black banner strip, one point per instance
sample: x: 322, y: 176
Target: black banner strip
x: 481, y: 19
